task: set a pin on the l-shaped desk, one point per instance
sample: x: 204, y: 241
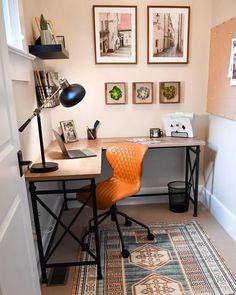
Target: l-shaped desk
x: 88, y: 169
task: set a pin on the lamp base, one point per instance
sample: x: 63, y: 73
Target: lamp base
x: 40, y: 168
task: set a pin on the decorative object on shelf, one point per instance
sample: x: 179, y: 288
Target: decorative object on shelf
x: 115, y: 29
x: 168, y: 34
x: 115, y: 93
x: 46, y: 84
x: 156, y: 133
x: 68, y: 130
x: 70, y: 95
x: 45, y: 28
x: 143, y: 92
x: 45, y: 33
x: 169, y: 92
x: 61, y: 40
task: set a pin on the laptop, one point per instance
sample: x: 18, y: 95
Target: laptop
x: 72, y: 154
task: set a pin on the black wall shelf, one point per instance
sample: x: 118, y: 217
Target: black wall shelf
x: 53, y: 51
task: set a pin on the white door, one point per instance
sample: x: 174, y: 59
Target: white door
x: 18, y: 270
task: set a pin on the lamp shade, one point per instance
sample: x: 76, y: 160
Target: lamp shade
x: 71, y: 95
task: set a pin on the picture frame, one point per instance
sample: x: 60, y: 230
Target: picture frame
x: 169, y: 92
x: 115, y: 93
x: 61, y: 40
x: 115, y: 34
x: 142, y: 92
x: 169, y: 43
x: 69, y: 131
x: 50, y: 26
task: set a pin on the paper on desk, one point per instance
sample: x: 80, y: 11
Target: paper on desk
x: 144, y: 140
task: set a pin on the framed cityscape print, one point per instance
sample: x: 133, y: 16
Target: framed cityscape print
x: 169, y: 92
x: 115, y: 34
x: 168, y: 34
x: 115, y: 93
x: 142, y: 92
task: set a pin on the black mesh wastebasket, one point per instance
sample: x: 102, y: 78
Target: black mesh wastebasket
x: 178, y: 196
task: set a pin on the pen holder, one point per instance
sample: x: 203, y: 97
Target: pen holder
x: 91, y: 134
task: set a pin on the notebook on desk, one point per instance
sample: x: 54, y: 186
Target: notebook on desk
x: 72, y: 154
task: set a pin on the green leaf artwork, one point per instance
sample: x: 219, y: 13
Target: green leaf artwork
x: 115, y: 93
x: 169, y: 92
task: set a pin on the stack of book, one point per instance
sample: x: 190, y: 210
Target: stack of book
x: 46, y: 84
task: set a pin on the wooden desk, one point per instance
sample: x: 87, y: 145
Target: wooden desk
x: 86, y: 169
x: 90, y: 169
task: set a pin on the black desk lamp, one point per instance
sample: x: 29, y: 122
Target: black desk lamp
x: 70, y: 96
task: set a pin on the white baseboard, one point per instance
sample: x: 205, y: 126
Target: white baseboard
x: 222, y: 214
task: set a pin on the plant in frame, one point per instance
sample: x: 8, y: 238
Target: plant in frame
x: 169, y: 92
x: 143, y: 92
x: 115, y: 93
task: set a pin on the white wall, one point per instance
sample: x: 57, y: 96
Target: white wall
x: 75, y: 22
x: 220, y: 156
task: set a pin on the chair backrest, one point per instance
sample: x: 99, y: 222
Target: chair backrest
x: 126, y: 161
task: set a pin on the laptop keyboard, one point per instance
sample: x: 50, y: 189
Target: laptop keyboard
x: 76, y: 153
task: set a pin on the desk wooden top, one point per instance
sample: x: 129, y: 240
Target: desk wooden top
x: 81, y: 168
x: 90, y: 167
x: 165, y: 141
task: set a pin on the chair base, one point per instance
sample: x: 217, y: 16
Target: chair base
x: 113, y: 212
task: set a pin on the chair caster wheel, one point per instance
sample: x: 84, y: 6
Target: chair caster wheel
x: 125, y: 253
x: 150, y: 237
x: 128, y: 222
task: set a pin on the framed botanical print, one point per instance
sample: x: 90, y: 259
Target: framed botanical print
x: 169, y: 92
x: 143, y: 92
x: 115, y: 93
x: 168, y: 34
x: 115, y: 34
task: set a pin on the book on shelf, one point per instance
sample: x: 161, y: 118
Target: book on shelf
x: 46, y: 84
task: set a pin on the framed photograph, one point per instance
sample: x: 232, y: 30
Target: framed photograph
x: 115, y: 34
x: 115, y: 93
x: 168, y: 34
x: 68, y: 130
x: 169, y: 92
x: 142, y: 92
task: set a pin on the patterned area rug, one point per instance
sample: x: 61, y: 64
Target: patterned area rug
x: 181, y: 260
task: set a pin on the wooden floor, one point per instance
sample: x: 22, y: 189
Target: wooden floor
x: 151, y: 213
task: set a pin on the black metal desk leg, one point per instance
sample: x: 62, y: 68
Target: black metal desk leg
x: 97, y: 245
x: 65, y: 196
x: 196, y: 181
x: 32, y: 189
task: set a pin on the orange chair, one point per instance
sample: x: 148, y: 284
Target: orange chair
x: 126, y: 161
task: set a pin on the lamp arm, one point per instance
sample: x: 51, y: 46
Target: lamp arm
x: 38, y: 110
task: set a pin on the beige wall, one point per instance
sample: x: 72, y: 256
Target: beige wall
x: 73, y: 19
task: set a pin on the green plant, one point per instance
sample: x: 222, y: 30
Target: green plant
x: 115, y: 93
x: 169, y: 92
x: 43, y: 23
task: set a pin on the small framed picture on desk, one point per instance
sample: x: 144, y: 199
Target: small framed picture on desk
x: 69, y: 132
